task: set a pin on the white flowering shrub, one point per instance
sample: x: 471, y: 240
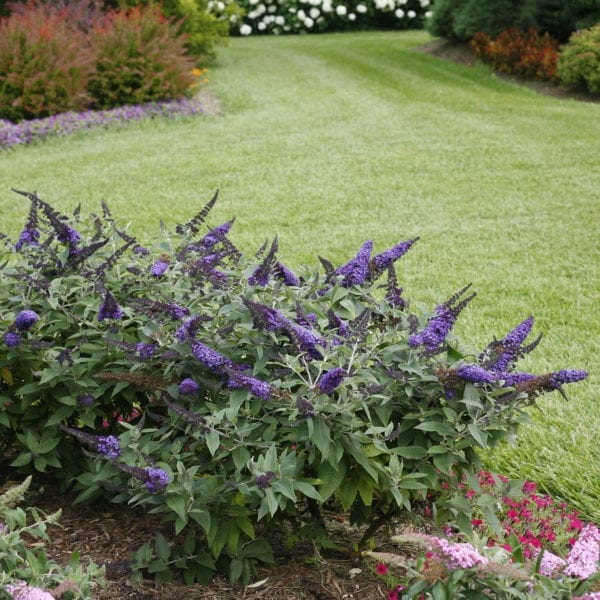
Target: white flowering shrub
x: 308, y: 16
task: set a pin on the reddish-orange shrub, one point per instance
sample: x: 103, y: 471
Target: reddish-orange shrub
x: 140, y: 57
x: 524, y: 53
x: 45, y: 65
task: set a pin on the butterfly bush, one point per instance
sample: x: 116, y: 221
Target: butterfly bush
x: 232, y: 395
x: 311, y: 16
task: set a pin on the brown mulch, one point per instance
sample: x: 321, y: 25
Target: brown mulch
x: 463, y: 54
x: 108, y: 534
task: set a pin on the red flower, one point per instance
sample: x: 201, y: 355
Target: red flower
x: 381, y: 569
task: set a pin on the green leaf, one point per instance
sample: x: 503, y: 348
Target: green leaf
x: 321, y: 437
x: 444, y: 463
x: 202, y: 517
x: 212, y: 441
x: 348, y: 493
x: 437, y: 427
x: 479, y: 436
x: 59, y: 415
x: 23, y: 459
x: 411, y: 452
x: 331, y: 478
x: 308, y: 490
x: 161, y: 547
x: 177, y: 504
x: 365, y: 489
x: 245, y: 526
x: 240, y: 456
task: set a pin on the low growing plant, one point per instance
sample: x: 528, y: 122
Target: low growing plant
x: 25, y: 571
x: 579, y: 60
x: 235, y: 397
x: 524, y: 53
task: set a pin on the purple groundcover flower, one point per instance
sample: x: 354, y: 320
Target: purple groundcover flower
x: 383, y: 261
x: 12, y: 339
x: 188, y: 387
x: 159, y: 268
x: 109, y: 309
x: 331, y: 380
x: 156, y: 480
x: 258, y: 388
x: 26, y: 319
x: 31, y: 131
x: 355, y: 271
x: 583, y: 558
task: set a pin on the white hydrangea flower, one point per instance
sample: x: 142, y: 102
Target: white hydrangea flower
x: 428, y: 13
x: 261, y: 26
x: 314, y: 12
x: 233, y: 19
x: 424, y: 3
x: 381, y: 4
x: 399, y: 13
x: 308, y: 22
x: 301, y: 15
x: 341, y: 10
x: 361, y: 8
x: 279, y: 20
x: 221, y: 5
x: 351, y: 17
x: 245, y: 29
x: 327, y: 7
x: 402, y: 2
x: 314, y: 2
x: 411, y: 14
x: 272, y: 8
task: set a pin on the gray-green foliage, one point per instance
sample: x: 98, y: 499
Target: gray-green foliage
x: 243, y: 396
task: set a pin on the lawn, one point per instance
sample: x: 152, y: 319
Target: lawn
x: 329, y: 140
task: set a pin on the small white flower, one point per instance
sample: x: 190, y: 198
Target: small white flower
x: 399, y: 13
x: 279, y: 20
x: 245, y: 29
x: 351, y: 17
x: 424, y: 3
x: 221, y: 5
x: 314, y: 12
x: 301, y: 15
x: 402, y: 2
x: 261, y: 9
x: 361, y: 8
x: 380, y: 4
x: 428, y: 14
x: 251, y: 2
x: 308, y: 22
x: 314, y: 2
x: 411, y: 14
x: 233, y: 19
x: 261, y: 26
x: 327, y: 8
x: 340, y: 9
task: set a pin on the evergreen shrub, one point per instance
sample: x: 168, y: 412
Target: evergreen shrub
x: 579, y: 60
x: 235, y: 397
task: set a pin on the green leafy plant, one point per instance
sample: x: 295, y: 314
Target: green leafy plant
x: 45, y: 65
x: 235, y: 397
x: 579, y: 60
x: 24, y: 565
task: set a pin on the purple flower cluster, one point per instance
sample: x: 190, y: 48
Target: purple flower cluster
x: 331, y: 380
x: 264, y: 481
x: 383, y: 261
x: 108, y: 446
x: 109, y: 309
x: 440, y: 324
x: 501, y: 355
x: 455, y: 555
x: 305, y: 408
x: 258, y: 388
x: 585, y: 554
x: 188, y: 387
x: 85, y: 400
x: 356, y: 271
x: 215, y: 235
x: 26, y: 319
x: 27, y: 132
x: 156, y: 480
x: 211, y: 359
x: 12, y: 339
x: 286, y: 275
x: 145, y: 350
x: 159, y: 268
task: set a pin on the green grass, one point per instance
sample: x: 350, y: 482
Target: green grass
x: 333, y: 139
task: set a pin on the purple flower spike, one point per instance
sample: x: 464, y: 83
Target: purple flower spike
x: 215, y: 235
x: 28, y: 237
x: 355, y: 272
x: 188, y: 387
x: 26, y: 319
x: 12, y: 339
x: 109, y: 309
x: 383, y: 261
x: 476, y: 374
x: 159, y: 268
x: 258, y: 388
x: 145, y: 350
x: 331, y: 380
x: 567, y: 376
x: 156, y: 480
x: 85, y: 400
x: 211, y: 359
x: 108, y: 446
x: 286, y: 275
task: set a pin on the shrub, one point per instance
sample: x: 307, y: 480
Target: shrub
x: 275, y: 17
x: 140, y: 57
x: 579, y: 60
x: 232, y: 395
x: 24, y: 565
x: 526, y: 54
x: 45, y: 65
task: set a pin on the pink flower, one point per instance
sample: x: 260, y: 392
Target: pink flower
x: 21, y: 591
x: 551, y: 564
x: 583, y: 558
x: 381, y: 569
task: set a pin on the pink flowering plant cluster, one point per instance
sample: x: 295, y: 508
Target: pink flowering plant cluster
x: 232, y: 396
